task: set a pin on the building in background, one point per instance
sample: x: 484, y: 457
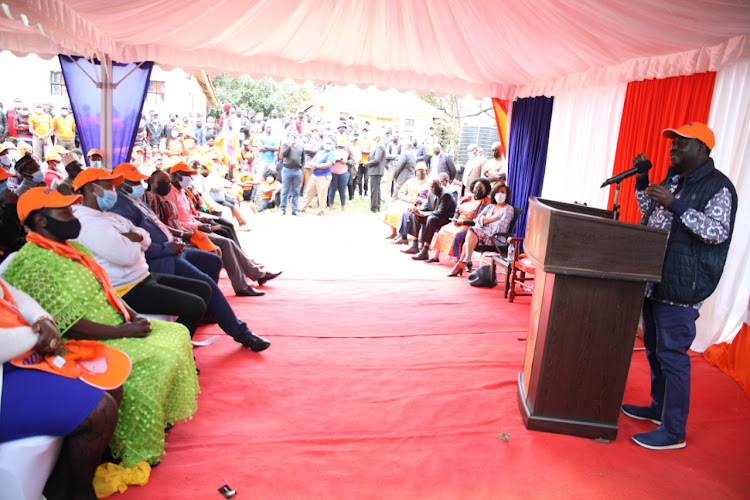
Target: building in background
x: 36, y: 80
x: 403, y: 112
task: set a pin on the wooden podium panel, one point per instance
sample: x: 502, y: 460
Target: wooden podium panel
x: 586, y: 304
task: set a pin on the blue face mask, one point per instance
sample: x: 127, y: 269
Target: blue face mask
x: 137, y: 190
x: 3, y: 187
x: 96, y: 164
x: 106, y: 200
x: 38, y: 176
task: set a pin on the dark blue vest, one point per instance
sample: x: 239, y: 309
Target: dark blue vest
x: 692, y: 268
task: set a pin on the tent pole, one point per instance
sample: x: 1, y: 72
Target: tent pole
x: 105, y: 123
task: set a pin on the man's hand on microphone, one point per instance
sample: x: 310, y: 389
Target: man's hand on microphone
x: 643, y: 162
x: 660, y: 194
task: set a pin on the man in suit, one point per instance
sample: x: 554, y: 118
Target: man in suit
x: 442, y: 162
x: 405, y: 166
x: 434, y: 213
x: 376, y: 169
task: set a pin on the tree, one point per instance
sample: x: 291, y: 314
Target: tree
x: 259, y: 95
x: 457, y: 110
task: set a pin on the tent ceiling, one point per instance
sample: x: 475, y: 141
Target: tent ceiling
x: 500, y: 48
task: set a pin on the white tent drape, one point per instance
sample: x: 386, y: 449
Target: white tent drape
x: 723, y: 313
x: 582, y: 143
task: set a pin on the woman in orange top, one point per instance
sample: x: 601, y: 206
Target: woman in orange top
x: 466, y: 211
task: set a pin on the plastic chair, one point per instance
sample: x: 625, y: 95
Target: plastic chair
x: 25, y: 466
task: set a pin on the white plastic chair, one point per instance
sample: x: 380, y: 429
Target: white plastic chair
x: 25, y: 466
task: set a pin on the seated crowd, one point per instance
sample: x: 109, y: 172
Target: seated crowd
x: 88, y: 252
x: 433, y: 214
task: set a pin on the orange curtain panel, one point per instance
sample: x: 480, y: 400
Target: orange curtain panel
x: 650, y: 107
x: 501, y: 118
x: 733, y: 358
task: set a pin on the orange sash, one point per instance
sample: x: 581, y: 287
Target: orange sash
x: 11, y: 317
x: 67, y: 250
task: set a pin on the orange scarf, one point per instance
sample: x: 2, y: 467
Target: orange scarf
x: 67, y: 250
x: 11, y: 316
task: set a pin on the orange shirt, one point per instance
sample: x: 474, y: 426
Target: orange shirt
x: 41, y: 123
x: 266, y: 189
x: 64, y: 127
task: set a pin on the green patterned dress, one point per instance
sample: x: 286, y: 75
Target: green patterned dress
x: 162, y: 387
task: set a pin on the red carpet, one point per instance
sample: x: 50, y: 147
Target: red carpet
x: 387, y: 379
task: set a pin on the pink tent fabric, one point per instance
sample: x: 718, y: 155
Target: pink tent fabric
x: 501, y: 48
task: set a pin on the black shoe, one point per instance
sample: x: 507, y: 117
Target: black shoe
x: 249, y: 292
x: 268, y: 277
x: 256, y: 343
x: 400, y: 241
x: 431, y: 261
x: 414, y: 249
x: 423, y: 254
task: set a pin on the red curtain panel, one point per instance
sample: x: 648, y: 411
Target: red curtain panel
x: 650, y: 107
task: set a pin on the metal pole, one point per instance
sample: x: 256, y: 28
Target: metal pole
x: 105, y: 119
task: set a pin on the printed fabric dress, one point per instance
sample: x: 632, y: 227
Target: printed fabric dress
x: 162, y: 387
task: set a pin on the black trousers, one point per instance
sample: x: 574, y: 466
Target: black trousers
x: 426, y: 227
x: 375, y: 192
x: 185, y: 298
x: 362, y: 180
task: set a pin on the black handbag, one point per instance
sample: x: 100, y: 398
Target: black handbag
x: 482, y: 277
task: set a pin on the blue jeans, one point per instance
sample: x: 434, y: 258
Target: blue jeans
x: 668, y: 332
x: 218, y: 307
x: 338, y: 183
x: 290, y: 181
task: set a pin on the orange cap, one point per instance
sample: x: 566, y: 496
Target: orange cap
x: 4, y: 174
x: 24, y: 146
x: 59, y: 149
x: 95, y: 363
x: 53, y: 157
x: 182, y: 166
x: 94, y: 152
x: 43, y: 197
x: 129, y: 172
x: 693, y: 130
x: 95, y: 174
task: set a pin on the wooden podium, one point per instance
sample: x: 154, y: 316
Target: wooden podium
x: 591, y: 274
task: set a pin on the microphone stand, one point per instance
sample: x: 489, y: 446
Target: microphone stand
x: 616, y: 205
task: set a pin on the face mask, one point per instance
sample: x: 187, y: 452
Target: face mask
x: 499, y: 197
x: 3, y: 187
x: 64, y: 230
x: 5, y: 160
x: 496, y: 154
x: 106, y: 200
x: 96, y: 164
x: 38, y: 176
x: 64, y: 113
x: 436, y: 152
x: 269, y: 180
x: 174, y: 134
x: 478, y: 194
x: 163, y: 188
x: 421, y: 176
x: 38, y: 110
x: 185, y: 182
x: 204, y: 174
x: 137, y: 190
x: 471, y: 154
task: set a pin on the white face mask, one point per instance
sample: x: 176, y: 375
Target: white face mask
x: 269, y: 180
x: 185, y: 182
x: 5, y: 160
x: 96, y: 164
x: 499, y: 198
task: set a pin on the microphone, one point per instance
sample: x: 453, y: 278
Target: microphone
x: 640, y: 168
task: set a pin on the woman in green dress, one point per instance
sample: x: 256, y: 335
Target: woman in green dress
x: 66, y: 281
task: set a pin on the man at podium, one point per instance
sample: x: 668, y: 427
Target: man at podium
x: 697, y: 204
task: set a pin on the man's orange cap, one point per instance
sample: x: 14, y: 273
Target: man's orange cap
x: 43, y: 197
x: 96, y: 174
x: 693, y: 130
x: 129, y: 172
x: 182, y: 166
x: 93, y: 152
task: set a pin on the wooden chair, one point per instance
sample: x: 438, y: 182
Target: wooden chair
x: 521, y: 272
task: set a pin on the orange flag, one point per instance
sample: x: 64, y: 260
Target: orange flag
x: 501, y: 118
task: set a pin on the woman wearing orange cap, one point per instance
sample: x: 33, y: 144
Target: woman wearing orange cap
x: 67, y: 282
